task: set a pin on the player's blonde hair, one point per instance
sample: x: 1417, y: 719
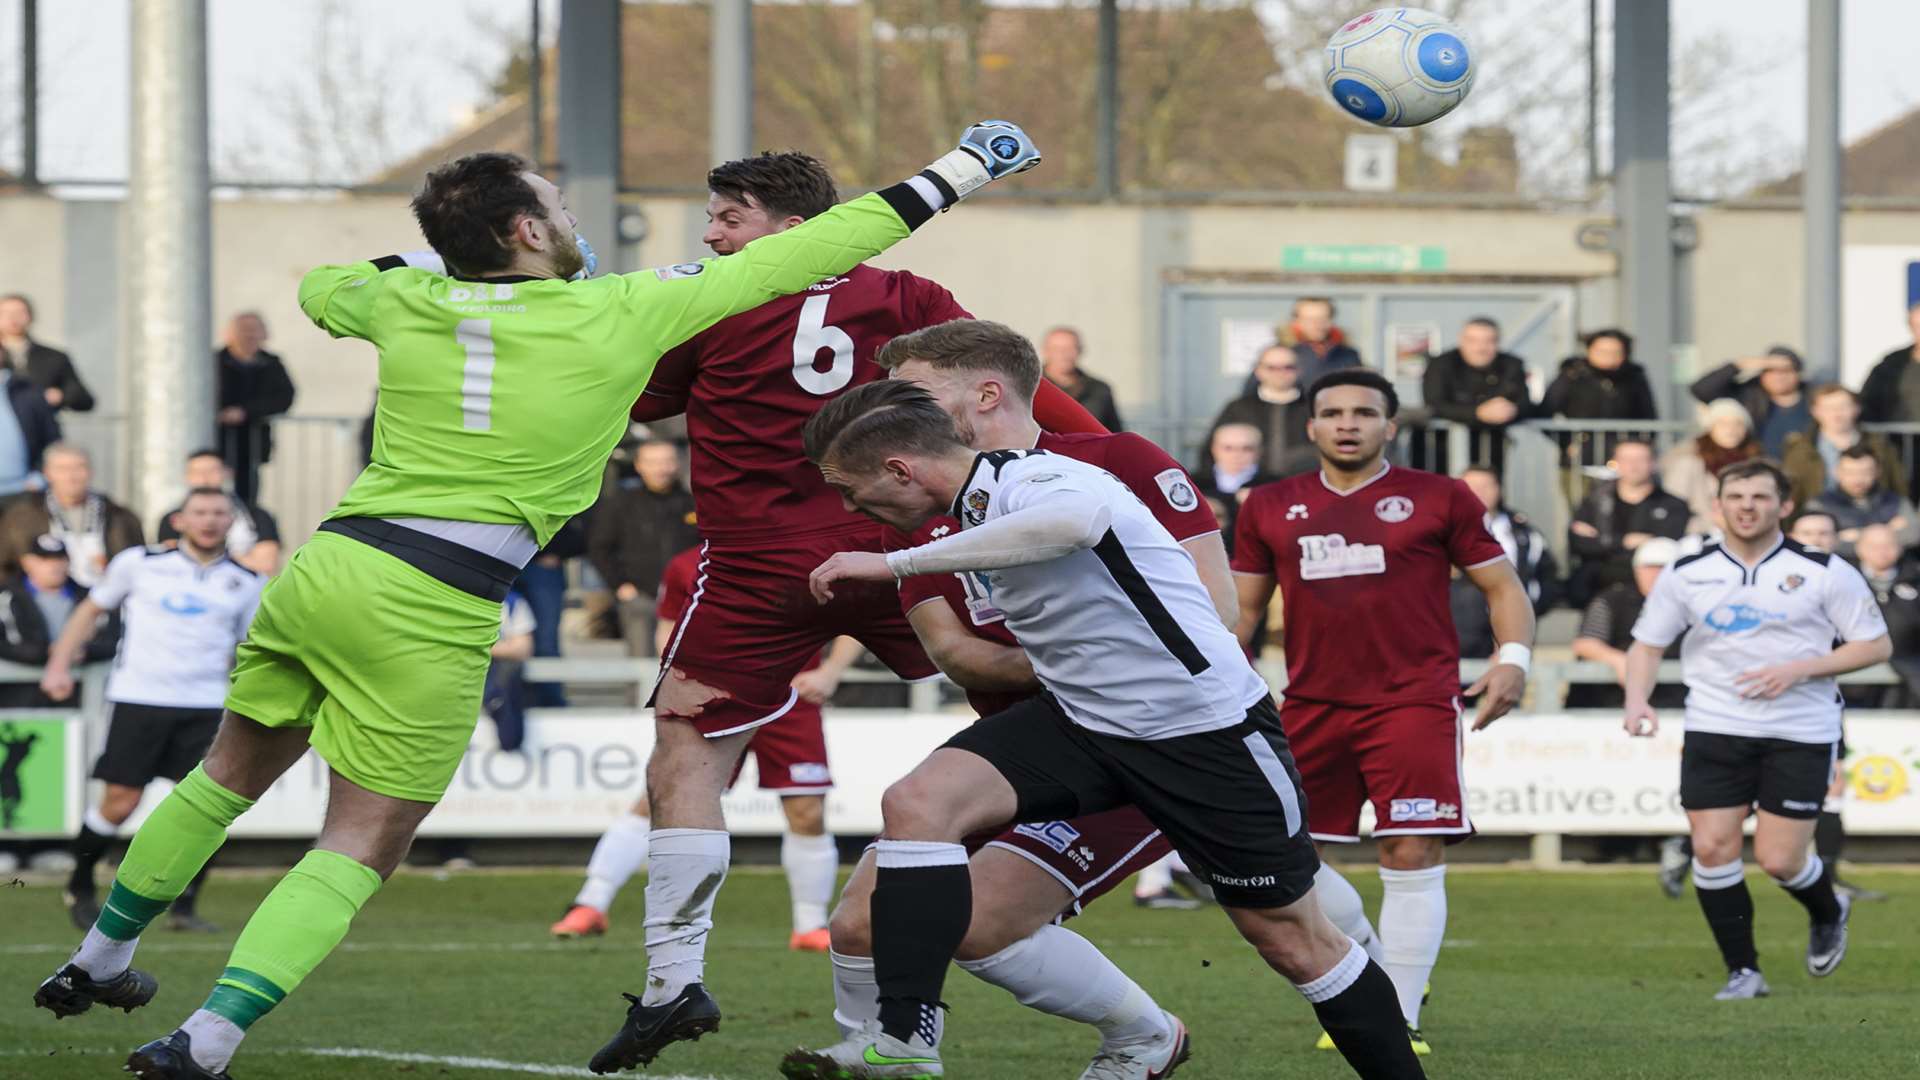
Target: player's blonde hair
x: 969, y: 345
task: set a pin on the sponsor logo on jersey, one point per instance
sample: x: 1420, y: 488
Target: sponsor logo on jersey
x: 1422, y: 810
x: 823, y: 286
x: 1043, y: 478
x: 1906, y: 592
x: 184, y: 604
x: 1297, y: 512
x: 680, y: 270
x: 974, y: 506
x: 1393, y: 508
x: 1792, y: 582
x: 1740, y: 618
x: 1057, y: 835
x: 1179, y: 494
x: 809, y: 772
x: 1330, y: 556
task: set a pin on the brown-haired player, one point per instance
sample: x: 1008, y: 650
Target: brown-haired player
x: 748, y: 384
x: 1029, y: 878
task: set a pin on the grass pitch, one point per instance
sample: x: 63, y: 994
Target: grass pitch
x: 1578, y: 974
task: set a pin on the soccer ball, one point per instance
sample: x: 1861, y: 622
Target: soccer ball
x: 1399, y: 67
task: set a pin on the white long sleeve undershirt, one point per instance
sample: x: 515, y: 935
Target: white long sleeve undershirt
x: 1066, y: 522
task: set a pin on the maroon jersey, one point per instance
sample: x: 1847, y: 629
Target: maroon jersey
x: 1364, y: 576
x: 750, y: 383
x: 1156, y: 478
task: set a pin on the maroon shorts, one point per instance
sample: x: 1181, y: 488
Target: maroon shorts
x: 752, y: 625
x: 790, y: 754
x: 1089, y: 855
x: 1404, y: 758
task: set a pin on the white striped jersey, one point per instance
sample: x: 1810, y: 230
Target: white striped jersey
x: 183, y: 622
x: 1791, y: 605
x: 1124, y: 634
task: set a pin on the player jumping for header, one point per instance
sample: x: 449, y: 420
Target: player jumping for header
x: 504, y: 385
x: 1149, y: 703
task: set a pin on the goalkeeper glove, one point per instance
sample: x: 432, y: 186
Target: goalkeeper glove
x: 988, y: 151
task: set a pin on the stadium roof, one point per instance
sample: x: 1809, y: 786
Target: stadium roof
x: 1880, y: 163
x: 1200, y: 110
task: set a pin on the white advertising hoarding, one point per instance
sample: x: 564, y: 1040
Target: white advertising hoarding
x: 1545, y: 773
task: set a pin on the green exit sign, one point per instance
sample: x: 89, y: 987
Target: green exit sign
x: 1364, y: 258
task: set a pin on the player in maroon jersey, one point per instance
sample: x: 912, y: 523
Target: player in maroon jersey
x: 791, y: 761
x: 1028, y: 878
x: 748, y: 385
x: 1362, y: 553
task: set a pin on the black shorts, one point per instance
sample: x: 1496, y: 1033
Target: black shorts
x: 1779, y: 776
x: 1229, y: 800
x: 145, y: 742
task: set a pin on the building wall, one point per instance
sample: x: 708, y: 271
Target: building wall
x: 1100, y: 268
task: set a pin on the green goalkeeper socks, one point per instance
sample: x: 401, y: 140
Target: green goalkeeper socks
x: 175, y: 842
x: 295, y: 927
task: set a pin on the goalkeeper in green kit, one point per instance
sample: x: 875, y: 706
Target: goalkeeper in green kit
x: 506, y: 373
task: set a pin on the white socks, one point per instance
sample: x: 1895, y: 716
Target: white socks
x: 214, y: 1039
x: 101, y: 957
x: 812, y: 863
x: 1413, y: 920
x: 688, y: 866
x: 97, y: 822
x: 1155, y: 879
x: 1057, y: 971
x: 1344, y: 908
x: 856, y: 996
x: 1338, y: 979
x: 619, y: 855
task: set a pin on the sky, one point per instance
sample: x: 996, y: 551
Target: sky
x: 279, y: 68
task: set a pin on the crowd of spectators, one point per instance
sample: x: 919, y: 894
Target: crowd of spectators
x: 1638, y: 496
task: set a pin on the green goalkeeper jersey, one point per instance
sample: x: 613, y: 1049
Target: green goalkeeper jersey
x: 501, y: 400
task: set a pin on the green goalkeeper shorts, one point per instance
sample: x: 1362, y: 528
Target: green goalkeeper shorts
x: 386, y: 664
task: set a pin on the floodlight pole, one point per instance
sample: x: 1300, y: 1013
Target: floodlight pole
x: 1821, y: 193
x: 588, y: 137
x: 731, y: 121
x: 1642, y: 187
x: 1107, y: 91
x: 168, y: 252
x: 30, y: 92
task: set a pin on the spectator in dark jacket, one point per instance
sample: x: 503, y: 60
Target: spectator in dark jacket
x: 1616, y: 518
x: 1317, y: 343
x: 1060, y: 352
x: 1278, y: 408
x: 1526, y: 546
x: 1477, y: 385
x: 1898, y: 593
x: 93, y: 527
x: 1602, y: 384
x: 1811, y: 455
x: 49, y: 370
x: 1770, y: 388
x: 1891, y: 393
x: 1858, y: 499
x: 254, y: 388
x: 640, y: 524
x: 26, y: 430
x: 35, y: 604
x: 1606, y: 631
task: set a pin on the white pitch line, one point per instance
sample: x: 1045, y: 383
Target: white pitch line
x: 457, y: 1061
x: 463, y: 1062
